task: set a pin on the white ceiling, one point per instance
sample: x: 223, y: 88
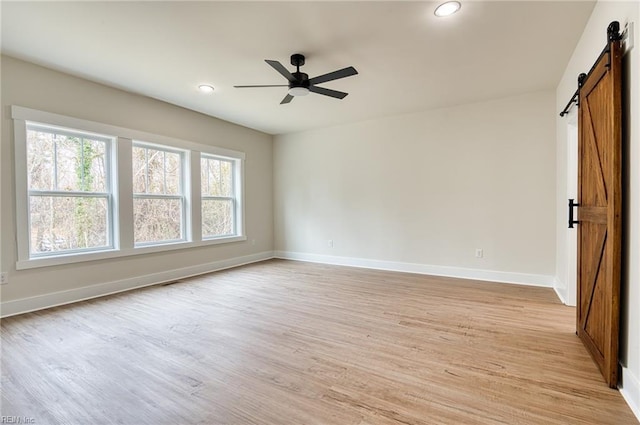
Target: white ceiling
x: 408, y: 60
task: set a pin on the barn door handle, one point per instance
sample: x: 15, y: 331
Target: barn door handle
x: 572, y: 221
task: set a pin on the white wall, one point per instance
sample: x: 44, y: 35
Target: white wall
x: 426, y: 188
x: 39, y: 88
x: 589, y: 47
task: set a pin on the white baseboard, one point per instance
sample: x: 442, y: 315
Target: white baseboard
x: 459, y: 272
x: 25, y: 305
x: 630, y: 390
x: 559, y: 293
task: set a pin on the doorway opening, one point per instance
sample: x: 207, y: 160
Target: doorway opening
x: 572, y: 193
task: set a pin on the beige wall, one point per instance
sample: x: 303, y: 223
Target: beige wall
x: 427, y: 188
x: 39, y: 88
x: 589, y: 47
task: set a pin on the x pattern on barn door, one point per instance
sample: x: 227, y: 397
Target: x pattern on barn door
x: 599, y: 200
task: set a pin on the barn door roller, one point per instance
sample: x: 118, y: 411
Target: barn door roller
x: 613, y: 34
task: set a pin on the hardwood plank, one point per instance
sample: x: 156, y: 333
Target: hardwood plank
x: 284, y: 342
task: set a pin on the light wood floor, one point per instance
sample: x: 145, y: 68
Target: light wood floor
x: 294, y: 343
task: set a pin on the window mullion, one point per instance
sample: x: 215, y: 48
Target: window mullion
x: 234, y: 224
x: 238, y: 194
x: 146, y: 170
x: 208, y: 161
x: 55, y: 163
x: 193, y: 193
x: 164, y: 172
x: 233, y: 180
x: 219, y: 176
x: 234, y: 211
x: 83, y: 187
x: 124, y: 189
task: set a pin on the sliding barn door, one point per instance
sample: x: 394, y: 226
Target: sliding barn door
x: 599, y: 199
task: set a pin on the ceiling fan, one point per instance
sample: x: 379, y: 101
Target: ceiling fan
x: 300, y: 84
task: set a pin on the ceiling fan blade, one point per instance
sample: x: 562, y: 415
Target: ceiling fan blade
x: 328, y: 92
x: 281, y: 69
x: 341, y: 73
x: 269, y: 85
x: 286, y: 99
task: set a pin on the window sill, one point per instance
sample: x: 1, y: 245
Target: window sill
x: 117, y: 253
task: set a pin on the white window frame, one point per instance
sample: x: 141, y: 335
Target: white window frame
x: 235, y: 197
x: 122, y: 189
x: 108, y: 195
x: 181, y: 196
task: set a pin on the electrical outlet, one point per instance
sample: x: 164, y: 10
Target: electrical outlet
x: 4, y: 278
x: 479, y: 253
x: 253, y: 242
x: 330, y: 243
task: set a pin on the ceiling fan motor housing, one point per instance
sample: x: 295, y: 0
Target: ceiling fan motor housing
x: 302, y: 80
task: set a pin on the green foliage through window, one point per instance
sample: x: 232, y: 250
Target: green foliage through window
x: 69, y: 207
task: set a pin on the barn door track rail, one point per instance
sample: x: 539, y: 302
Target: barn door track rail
x: 613, y: 34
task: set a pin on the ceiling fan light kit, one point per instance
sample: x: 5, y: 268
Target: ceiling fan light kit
x: 298, y: 91
x: 300, y: 84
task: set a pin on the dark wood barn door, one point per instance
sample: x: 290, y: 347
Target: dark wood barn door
x: 599, y: 212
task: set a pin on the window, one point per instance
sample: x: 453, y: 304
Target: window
x: 158, y: 195
x: 218, y: 197
x: 90, y: 191
x: 69, y: 191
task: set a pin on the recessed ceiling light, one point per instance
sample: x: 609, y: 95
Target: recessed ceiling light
x: 447, y: 9
x: 205, y: 88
